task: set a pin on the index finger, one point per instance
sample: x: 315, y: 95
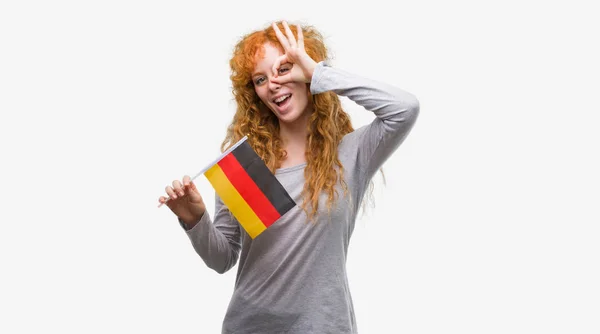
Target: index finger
x: 282, y: 79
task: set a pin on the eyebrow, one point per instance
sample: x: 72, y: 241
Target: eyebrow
x: 256, y: 73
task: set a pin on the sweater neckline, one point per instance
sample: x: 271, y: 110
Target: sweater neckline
x: 290, y: 169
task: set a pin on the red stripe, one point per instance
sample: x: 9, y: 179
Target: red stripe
x: 248, y: 189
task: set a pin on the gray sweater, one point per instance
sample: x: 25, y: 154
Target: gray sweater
x: 292, y: 277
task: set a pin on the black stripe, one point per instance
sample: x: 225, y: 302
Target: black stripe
x: 264, y: 179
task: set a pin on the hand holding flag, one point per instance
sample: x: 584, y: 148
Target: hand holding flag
x: 247, y: 187
x: 184, y: 200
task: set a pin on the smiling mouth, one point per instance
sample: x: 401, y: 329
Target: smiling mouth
x: 282, y: 100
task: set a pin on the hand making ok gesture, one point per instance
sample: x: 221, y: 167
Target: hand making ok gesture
x: 303, y: 65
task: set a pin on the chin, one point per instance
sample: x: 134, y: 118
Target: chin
x: 290, y: 117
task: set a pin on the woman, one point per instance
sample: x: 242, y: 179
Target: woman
x: 292, y: 278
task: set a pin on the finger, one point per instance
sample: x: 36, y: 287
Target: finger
x: 170, y: 192
x: 178, y: 189
x: 280, y: 60
x: 188, y: 184
x: 300, y: 37
x: 192, y: 187
x: 282, y: 79
x: 281, y: 37
x: 290, y: 35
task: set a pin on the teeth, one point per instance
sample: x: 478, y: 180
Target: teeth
x: 282, y: 98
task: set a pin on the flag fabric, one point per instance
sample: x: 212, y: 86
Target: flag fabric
x: 248, y: 188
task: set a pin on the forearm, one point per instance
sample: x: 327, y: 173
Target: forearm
x: 217, y: 244
x: 388, y: 103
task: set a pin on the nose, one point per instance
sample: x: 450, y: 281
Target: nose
x: 274, y: 86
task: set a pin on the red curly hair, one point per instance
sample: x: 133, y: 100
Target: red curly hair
x: 327, y: 124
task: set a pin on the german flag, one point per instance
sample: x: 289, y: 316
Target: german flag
x: 248, y: 188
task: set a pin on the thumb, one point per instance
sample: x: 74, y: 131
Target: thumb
x: 193, y: 192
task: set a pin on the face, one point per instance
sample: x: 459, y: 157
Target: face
x: 289, y: 102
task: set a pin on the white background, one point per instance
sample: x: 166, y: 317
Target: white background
x: 488, y: 222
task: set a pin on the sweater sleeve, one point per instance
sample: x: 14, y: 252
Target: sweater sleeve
x: 395, y: 109
x: 217, y: 242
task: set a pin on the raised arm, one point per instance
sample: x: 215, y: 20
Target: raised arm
x: 395, y: 109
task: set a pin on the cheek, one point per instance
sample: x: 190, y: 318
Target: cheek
x: 261, y: 95
x: 301, y: 94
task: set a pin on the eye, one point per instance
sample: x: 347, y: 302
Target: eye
x: 259, y: 80
x: 284, y: 68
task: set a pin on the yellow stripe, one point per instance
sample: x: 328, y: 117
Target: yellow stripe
x: 234, y: 201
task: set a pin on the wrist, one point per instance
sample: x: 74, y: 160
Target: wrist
x: 309, y: 65
x: 189, y: 222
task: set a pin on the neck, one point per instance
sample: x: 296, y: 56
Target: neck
x: 294, y: 136
x: 293, y: 133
